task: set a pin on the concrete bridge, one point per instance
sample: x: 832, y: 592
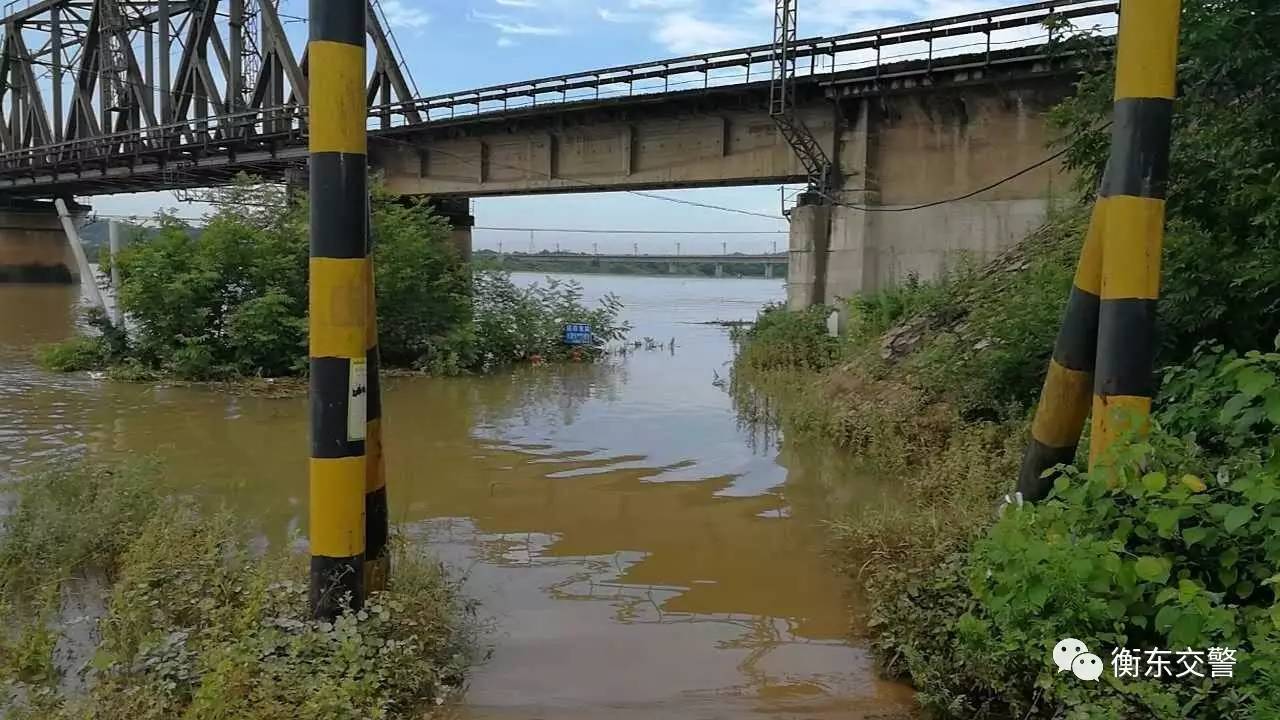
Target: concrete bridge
x: 965, y: 111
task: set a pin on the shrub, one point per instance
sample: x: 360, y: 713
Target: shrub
x: 74, y: 355
x: 230, y: 299
x: 784, y: 340
x: 424, y: 288
x: 199, y: 622
x: 515, y: 323
x: 1171, y: 543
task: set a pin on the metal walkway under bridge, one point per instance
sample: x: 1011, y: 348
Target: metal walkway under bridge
x: 93, y: 102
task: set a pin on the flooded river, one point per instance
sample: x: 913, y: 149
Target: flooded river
x: 639, y: 552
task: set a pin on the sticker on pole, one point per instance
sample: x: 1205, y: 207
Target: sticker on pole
x: 357, y: 399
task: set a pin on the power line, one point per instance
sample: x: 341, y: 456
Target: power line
x: 966, y: 196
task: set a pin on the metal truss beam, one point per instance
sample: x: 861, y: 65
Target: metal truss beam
x: 86, y: 85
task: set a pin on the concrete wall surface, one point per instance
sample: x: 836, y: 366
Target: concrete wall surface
x: 33, y: 247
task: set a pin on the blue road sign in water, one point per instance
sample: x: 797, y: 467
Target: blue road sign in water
x: 577, y: 334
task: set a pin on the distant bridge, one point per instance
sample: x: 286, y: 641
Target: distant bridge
x: 770, y: 262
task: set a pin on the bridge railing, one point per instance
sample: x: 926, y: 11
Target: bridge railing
x: 207, y: 136
x: 930, y: 40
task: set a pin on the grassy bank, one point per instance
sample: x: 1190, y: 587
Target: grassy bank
x: 124, y: 601
x: 1174, y: 546
x: 1173, y: 541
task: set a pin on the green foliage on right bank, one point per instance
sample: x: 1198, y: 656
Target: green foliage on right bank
x: 1172, y: 542
x: 229, y: 299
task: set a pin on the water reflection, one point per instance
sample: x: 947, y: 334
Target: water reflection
x: 639, y: 550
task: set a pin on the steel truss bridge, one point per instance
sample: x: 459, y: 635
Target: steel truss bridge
x: 110, y: 96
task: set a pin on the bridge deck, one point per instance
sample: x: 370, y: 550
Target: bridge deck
x: 211, y: 149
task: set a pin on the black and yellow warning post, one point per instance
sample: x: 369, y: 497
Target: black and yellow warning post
x: 377, y: 561
x: 1106, y: 346
x: 340, y: 305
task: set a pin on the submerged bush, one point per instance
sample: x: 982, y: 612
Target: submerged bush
x: 514, y: 323
x: 230, y: 299
x: 197, y: 623
x: 74, y: 355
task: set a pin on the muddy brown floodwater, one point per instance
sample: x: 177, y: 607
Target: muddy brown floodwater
x: 638, y: 551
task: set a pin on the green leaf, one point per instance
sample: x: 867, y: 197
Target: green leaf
x: 1186, y: 631
x: 1272, y: 400
x: 1237, y: 517
x: 1154, y: 482
x: 1153, y: 569
x: 1233, y: 407
x: 1229, y: 557
x: 1167, y: 616
x: 1193, y: 535
x: 1275, y: 615
x: 1252, y: 382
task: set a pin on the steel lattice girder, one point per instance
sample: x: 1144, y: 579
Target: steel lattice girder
x: 93, y: 84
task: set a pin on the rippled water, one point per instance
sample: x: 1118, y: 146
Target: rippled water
x: 640, y: 552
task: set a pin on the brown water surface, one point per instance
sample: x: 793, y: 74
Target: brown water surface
x: 640, y: 552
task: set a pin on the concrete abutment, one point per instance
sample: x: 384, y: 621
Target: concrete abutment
x: 33, y: 246
x: 907, y: 162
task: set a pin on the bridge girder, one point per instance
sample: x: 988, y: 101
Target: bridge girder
x: 86, y: 85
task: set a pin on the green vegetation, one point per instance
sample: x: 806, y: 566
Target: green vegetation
x: 193, y: 621
x: 1171, y: 541
x: 230, y: 300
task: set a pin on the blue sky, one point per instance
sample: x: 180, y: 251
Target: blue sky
x: 457, y: 44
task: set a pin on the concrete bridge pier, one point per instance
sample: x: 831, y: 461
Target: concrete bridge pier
x: 810, y: 235
x: 719, y: 270
x: 457, y: 211
x: 768, y: 271
x: 33, y: 247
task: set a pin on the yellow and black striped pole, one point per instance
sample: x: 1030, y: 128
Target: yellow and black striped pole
x: 1068, y: 387
x: 1106, y: 346
x: 339, y: 300
x: 377, y: 560
x: 1133, y: 193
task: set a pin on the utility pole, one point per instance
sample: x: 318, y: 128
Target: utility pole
x: 347, y: 496
x: 677, y: 248
x: 724, y: 248
x: 635, y: 248
x: 595, y: 250
x: 113, y: 245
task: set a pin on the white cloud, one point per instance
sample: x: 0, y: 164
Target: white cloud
x: 519, y: 28
x: 685, y: 34
x: 506, y: 41
x: 401, y: 14
x: 660, y: 4
x: 508, y: 25
x: 615, y: 16
x: 518, y: 3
